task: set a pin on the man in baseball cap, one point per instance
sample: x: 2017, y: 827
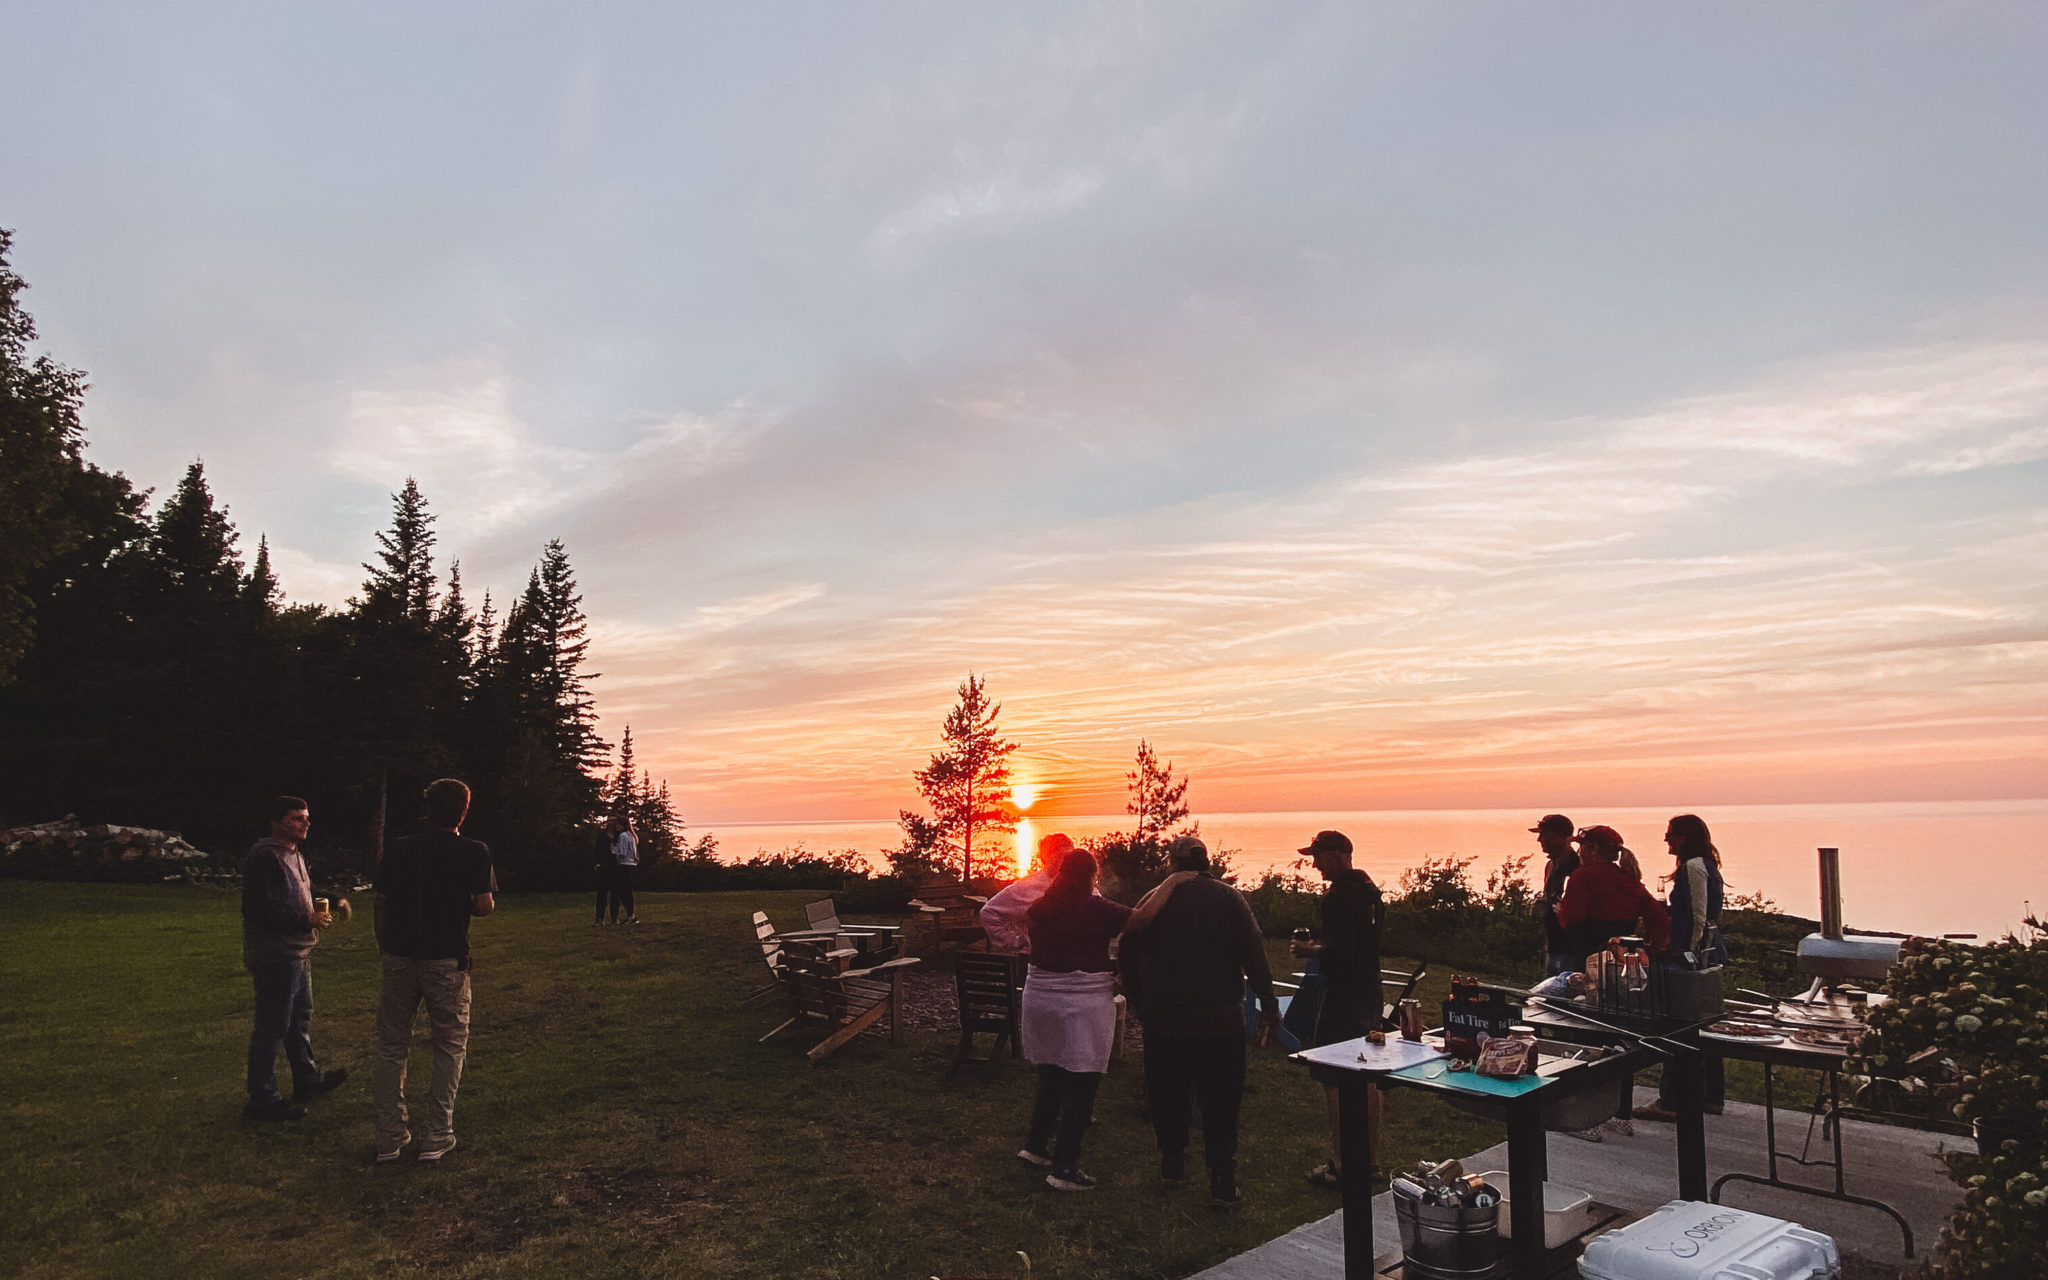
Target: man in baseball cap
x: 1554, y: 837
x: 1349, y: 960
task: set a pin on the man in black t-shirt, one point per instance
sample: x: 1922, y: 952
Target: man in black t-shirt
x: 1349, y: 957
x: 428, y: 887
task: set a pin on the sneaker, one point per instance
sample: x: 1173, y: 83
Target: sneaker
x: 1586, y: 1135
x: 275, y: 1109
x: 1621, y: 1125
x: 1173, y: 1169
x: 1654, y: 1111
x: 328, y: 1082
x: 387, y: 1156
x: 1028, y: 1156
x: 432, y: 1155
x: 1072, y: 1180
x: 631, y: 920
x: 1223, y: 1193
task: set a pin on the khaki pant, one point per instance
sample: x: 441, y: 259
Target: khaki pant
x: 445, y: 990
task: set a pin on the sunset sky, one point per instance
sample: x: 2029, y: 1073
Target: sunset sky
x: 1374, y: 406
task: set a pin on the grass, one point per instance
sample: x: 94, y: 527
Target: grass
x: 617, y: 1118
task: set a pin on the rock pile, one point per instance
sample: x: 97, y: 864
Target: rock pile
x: 71, y: 850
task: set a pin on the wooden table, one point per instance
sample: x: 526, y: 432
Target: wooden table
x: 1527, y: 1154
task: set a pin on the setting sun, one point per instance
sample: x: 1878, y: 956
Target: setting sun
x: 1023, y: 794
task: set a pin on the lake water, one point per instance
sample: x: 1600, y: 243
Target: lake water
x: 1932, y: 867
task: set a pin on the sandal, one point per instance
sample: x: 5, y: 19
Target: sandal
x: 1326, y: 1176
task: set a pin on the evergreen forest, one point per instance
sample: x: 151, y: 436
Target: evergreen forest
x: 153, y: 673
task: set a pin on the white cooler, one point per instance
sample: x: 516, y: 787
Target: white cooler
x: 1690, y: 1240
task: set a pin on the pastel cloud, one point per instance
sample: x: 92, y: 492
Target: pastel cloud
x: 1577, y: 608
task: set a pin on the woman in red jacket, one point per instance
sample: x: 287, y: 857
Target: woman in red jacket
x: 1602, y: 901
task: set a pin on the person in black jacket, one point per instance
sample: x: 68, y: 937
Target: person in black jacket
x: 1185, y: 972
x: 1554, y: 836
x: 1349, y: 954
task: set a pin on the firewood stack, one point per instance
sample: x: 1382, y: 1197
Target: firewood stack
x: 71, y: 850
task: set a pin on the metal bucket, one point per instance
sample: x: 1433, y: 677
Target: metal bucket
x: 1442, y: 1242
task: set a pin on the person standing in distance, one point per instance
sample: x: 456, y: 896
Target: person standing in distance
x: 625, y: 857
x: 1353, y: 912
x: 1554, y: 836
x: 428, y: 888
x: 1185, y: 970
x: 280, y: 928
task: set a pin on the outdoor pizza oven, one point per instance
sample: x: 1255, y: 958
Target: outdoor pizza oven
x: 1832, y: 957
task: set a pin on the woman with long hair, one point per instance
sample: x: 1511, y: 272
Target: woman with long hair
x: 1696, y: 892
x: 1696, y: 943
x: 1069, y: 1014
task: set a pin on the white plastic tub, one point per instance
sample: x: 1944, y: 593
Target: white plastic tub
x: 1564, y: 1210
x: 1691, y: 1240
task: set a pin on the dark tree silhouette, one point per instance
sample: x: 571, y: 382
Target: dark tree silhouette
x: 967, y: 782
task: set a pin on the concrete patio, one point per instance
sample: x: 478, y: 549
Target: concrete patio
x: 1900, y: 1167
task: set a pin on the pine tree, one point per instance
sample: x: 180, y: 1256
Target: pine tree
x: 620, y: 798
x: 401, y: 583
x: 455, y: 626
x: 261, y: 596
x: 1157, y: 799
x: 53, y: 504
x: 967, y: 780
x: 190, y: 553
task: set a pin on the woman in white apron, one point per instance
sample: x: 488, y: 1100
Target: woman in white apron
x: 1069, y: 1015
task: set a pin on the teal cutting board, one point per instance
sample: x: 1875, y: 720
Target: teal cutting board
x: 1469, y: 1081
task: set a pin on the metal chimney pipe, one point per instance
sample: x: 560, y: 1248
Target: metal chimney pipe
x: 1831, y: 894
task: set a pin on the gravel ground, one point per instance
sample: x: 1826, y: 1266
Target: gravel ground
x: 930, y: 1004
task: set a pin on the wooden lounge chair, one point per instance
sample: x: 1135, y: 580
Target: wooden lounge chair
x: 990, y: 989
x: 873, y: 941
x: 1301, y: 1000
x: 844, y: 1001
x: 771, y: 951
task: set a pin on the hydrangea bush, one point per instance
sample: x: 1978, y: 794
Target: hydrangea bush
x: 1967, y: 1029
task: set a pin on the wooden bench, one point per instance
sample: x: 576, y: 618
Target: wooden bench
x: 948, y: 917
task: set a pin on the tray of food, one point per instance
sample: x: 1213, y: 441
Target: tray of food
x: 1832, y: 1017
x: 1823, y: 1038
x: 1741, y: 1033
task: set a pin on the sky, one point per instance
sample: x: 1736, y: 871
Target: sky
x: 1371, y: 406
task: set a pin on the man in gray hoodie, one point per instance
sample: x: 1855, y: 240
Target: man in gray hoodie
x: 280, y: 928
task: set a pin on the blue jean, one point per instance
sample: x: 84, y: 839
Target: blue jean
x: 284, y: 1016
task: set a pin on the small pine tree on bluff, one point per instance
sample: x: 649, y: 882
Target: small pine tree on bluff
x: 966, y: 784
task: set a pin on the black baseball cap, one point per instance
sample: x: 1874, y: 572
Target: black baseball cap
x: 1554, y: 822
x: 1328, y: 842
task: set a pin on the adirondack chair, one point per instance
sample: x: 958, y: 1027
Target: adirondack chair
x: 948, y: 917
x: 990, y: 989
x: 771, y: 951
x: 843, y: 1001
x: 1299, y: 1002
x: 876, y: 942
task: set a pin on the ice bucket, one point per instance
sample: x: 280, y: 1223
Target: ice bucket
x: 1448, y: 1242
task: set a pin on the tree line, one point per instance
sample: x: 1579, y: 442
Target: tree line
x: 150, y: 675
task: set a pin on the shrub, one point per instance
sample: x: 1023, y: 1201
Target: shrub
x: 1971, y: 1024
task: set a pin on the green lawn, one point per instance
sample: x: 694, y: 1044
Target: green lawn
x: 617, y: 1118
